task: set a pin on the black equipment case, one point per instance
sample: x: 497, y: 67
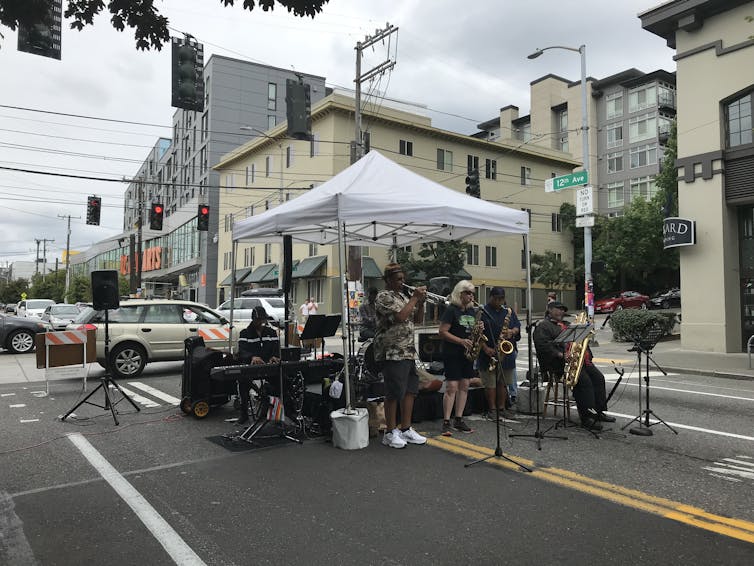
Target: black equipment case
x: 198, y: 391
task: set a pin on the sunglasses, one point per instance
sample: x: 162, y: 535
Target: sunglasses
x: 467, y: 292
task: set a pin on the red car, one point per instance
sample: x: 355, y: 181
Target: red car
x: 624, y: 300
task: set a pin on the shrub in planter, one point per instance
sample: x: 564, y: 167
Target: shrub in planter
x: 630, y: 323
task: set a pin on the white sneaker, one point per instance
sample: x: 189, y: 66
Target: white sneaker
x: 394, y: 439
x: 413, y: 437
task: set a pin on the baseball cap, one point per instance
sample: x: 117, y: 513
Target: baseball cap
x: 497, y: 292
x: 259, y: 312
x: 557, y: 305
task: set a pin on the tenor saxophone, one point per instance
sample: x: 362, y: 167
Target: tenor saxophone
x: 504, y: 346
x: 574, y: 359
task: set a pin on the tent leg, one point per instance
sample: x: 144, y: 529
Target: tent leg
x: 344, y: 312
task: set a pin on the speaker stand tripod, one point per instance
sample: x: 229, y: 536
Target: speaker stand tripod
x: 106, y: 381
x: 643, y: 417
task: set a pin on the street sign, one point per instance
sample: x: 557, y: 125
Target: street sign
x: 584, y: 221
x: 566, y: 181
x: 584, y: 201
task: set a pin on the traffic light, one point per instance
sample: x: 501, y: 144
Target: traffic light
x: 188, y: 82
x: 156, y: 213
x: 298, y: 109
x: 202, y: 218
x: 93, y: 210
x: 472, y: 184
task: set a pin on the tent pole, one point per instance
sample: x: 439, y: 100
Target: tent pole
x: 344, y: 311
x: 529, y: 306
x: 233, y: 248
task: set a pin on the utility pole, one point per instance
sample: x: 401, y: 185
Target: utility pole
x: 138, y: 243
x: 36, y: 262
x: 379, y: 35
x: 67, y: 257
x: 43, y: 241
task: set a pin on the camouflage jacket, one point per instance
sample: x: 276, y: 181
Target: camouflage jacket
x: 393, y: 340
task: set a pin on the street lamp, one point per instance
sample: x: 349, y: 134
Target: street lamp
x: 588, y: 284
x: 280, y: 145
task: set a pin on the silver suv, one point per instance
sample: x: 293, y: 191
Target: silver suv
x: 242, y: 307
x: 143, y: 331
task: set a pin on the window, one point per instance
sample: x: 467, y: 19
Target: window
x: 271, y: 121
x: 643, y: 155
x: 666, y: 95
x: 228, y: 221
x: 288, y: 157
x: 406, y: 148
x: 525, y: 175
x: 314, y: 145
x: 615, y: 162
x: 642, y: 127
x: 490, y: 169
x: 205, y: 124
x: 490, y: 256
x: 313, y: 249
x: 614, y: 104
x: 528, y: 211
x: 268, y: 253
x: 562, y: 118
x: 615, y: 194
x: 523, y: 132
x: 738, y: 121
x: 643, y: 187
x: 641, y: 98
x: 229, y: 183
x: 248, y: 175
x: 614, y: 135
x: 472, y: 162
x: 267, y: 165
x: 248, y: 256
x: 557, y: 223
x: 523, y: 259
x: 253, y: 172
x: 272, y: 96
x: 314, y: 289
x: 472, y: 254
x: 444, y: 159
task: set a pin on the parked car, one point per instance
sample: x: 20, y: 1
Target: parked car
x: 17, y: 334
x: 143, y: 331
x: 33, y: 307
x: 623, y: 300
x: 668, y: 299
x: 10, y: 308
x: 242, y: 307
x: 61, y: 315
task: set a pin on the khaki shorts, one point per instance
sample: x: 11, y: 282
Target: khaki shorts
x: 506, y: 376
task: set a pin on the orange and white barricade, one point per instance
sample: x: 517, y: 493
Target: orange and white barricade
x: 66, y: 369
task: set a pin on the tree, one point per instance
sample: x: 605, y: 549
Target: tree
x: 436, y: 259
x: 150, y: 27
x: 10, y: 291
x: 550, y: 271
x: 49, y: 286
x: 80, y: 290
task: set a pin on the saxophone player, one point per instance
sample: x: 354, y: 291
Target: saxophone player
x: 589, y: 391
x: 497, y: 370
x: 458, y: 325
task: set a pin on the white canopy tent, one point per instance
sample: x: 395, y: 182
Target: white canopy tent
x: 375, y: 201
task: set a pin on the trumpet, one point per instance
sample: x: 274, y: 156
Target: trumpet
x: 433, y: 298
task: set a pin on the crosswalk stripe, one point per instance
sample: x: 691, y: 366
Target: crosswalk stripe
x: 138, y: 398
x: 155, y: 392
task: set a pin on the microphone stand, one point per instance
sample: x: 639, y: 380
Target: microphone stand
x: 534, y: 380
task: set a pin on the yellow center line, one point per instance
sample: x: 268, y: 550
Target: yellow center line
x: 681, y: 512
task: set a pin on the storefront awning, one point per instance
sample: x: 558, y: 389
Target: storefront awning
x: 240, y: 274
x: 369, y: 269
x: 463, y: 274
x: 307, y: 267
x: 263, y: 273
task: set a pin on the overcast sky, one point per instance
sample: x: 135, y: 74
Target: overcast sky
x: 462, y: 60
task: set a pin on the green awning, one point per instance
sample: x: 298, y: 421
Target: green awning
x: 308, y: 266
x: 267, y: 272
x: 369, y: 269
x: 240, y: 274
x: 463, y: 274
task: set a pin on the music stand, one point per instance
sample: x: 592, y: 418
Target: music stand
x: 321, y: 326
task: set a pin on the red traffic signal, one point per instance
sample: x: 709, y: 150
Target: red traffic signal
x: 93, y: 210
x: 156, y: 213
x: 202, y: 218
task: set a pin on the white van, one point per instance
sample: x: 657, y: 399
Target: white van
x: 33, y: 307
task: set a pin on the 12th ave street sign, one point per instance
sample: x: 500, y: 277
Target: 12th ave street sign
x: 566, y: 181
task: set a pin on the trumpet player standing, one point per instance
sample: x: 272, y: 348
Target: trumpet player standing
x: 457, y: 329
x: 497, y: 370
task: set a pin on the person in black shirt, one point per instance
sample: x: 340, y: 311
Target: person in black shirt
x: 456, y: 326
x: 258, y: 343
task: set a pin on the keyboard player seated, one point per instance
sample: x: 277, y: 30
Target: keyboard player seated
x: 258, y: 343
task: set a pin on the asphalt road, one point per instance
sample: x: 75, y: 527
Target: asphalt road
x: 155, y: 490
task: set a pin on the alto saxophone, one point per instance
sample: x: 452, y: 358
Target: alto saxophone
x: 504, y: 346
x: 575, y: 353
x: 477, y: 336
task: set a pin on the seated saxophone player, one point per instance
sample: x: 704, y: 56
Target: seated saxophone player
x: 497, y: 370
x: 589, y: 391
x: 458, y: 326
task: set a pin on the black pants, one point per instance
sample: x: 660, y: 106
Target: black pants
x: 590, y: 393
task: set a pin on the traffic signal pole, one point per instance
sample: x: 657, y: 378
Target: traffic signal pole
x: 137, y: 259
x: 66, y: 298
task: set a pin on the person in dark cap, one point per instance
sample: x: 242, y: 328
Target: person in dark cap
x: 258, y: 343
x: 589, y: 391
x: 498, y: 372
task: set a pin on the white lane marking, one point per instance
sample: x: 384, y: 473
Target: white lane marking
x: 138, y: 398
x: 28, y: 420
x: 174, y: 545
x: 740, y: 463
x: 689, y: 427
x: 730, y: 472
x: 155, y: 392
x: 689, y: 391
x: 7, y: 394
x: 18, y: 405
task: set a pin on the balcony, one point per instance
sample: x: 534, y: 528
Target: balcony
x: 666, y: 100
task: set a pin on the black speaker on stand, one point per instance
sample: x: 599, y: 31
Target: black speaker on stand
x: 105, y: 296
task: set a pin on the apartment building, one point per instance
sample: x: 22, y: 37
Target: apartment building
x: 510, y: 175
x: 715, y: 76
